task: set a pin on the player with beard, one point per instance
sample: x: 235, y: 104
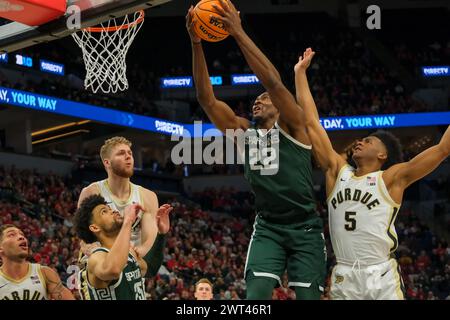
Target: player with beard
x: 119, y: 192
x: 22, y: 280
x: 114, y: 270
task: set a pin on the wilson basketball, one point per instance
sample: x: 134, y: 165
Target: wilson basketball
x: 207, y: 22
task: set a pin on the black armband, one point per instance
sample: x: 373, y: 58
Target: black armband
x: 154, y: 258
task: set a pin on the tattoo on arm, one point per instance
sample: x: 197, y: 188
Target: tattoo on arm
x: 57, y: 290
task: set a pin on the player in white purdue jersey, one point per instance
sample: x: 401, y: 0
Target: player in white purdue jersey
x: 119, y: 192
x: 114, y: 271
x: 22, y: 280
x: 363, y: 202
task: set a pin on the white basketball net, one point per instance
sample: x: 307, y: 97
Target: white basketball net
x: 104, y: 52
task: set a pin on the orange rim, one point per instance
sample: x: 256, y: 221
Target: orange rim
x: 117, y: 28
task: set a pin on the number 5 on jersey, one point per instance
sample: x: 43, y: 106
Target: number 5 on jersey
x: 350, y: 218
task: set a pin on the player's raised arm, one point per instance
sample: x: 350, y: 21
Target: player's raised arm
x: 406, y: 173
x: 218, y: 111
x: 154, y: 258
x: 326, y: 156
x: 290, y: 113
x: 148, y: 222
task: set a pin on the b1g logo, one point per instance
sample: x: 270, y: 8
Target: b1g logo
x: 263, y: 150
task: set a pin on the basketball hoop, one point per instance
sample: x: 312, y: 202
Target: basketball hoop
x: 104, y: 52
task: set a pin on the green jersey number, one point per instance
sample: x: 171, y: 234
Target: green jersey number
x: 257, y: 162
x: 139, y: 290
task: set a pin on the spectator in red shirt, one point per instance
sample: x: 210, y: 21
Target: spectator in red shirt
x: 423, y: 261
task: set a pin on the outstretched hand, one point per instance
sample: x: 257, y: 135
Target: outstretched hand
x: 162, y: 218
x: 305, y: 61
x: 190, y: 26
x: 229, y: 16
x: 131, y: 213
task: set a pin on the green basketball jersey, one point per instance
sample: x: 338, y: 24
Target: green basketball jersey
x: 279, y: 170
x: 130, y: 285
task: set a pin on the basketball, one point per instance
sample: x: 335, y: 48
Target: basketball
x: 207, y: 22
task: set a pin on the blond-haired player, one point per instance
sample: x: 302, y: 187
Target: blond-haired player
x: 203, y: 290
x: 119, y: 192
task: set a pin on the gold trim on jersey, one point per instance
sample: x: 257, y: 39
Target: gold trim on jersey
x: 353, y: 176
x: 336, y: 182
x: 84, y: 289
x: 30, y: 269
x: 398, y: 280
x: 384, y: 191
x: 41, y: 276
x: 114, y: 198
x: 391, y: 236
x: 395, y: 208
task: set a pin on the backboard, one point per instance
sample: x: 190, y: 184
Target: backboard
x: 15, y: 35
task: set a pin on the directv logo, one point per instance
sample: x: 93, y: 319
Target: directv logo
x: 435, y: 71
x: 183, y: 82
x: 244, y: 79
x: 169, y: 127
x: 4, y: 57
x: 52, y: 67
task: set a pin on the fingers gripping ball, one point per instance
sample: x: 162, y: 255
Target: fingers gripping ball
x: 207, y: 22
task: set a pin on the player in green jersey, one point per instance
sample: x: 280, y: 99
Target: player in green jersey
x: 114, y: 270
x: 288, y: 234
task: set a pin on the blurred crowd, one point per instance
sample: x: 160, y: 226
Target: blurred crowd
x: 432, y: 54
x: 346, y: 78
x: 209, y: 236
x: 42, y: 206
x: 423, y: 259
x: 228, y: 200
